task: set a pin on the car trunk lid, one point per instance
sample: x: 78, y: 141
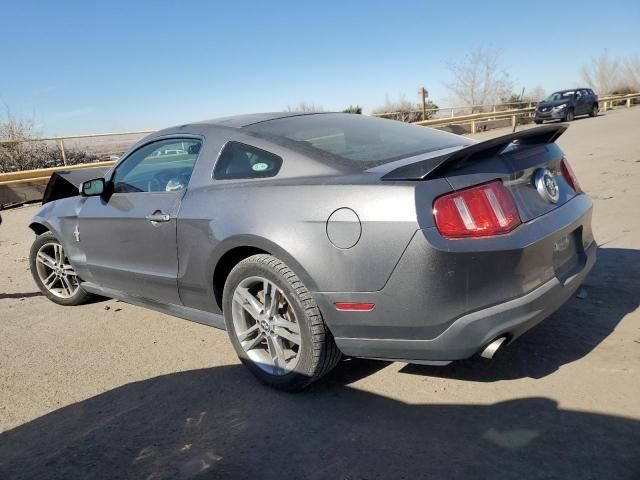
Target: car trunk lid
x: 516, y: 159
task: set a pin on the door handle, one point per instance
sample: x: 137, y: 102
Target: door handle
x: 157, y: 217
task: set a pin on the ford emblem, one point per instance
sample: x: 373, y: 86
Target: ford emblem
x: 546, y: 185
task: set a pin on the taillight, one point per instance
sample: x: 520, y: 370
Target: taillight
x: 480, y: 211
x: 569, y: 176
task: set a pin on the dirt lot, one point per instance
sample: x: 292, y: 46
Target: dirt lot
x: 109, y: 390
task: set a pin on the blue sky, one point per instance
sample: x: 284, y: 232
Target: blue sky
x: 85, y: 67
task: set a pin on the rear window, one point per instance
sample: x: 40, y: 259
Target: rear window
x: 238, y: 160
x: 358, y: 139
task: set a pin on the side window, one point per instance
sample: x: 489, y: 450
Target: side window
x: 238, y: 160
x: 162, y: 166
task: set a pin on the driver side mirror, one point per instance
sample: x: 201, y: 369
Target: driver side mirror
x: 92, y: 188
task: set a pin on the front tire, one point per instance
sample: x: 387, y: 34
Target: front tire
x: 275, y: 325
x: 569, y: 116
x: 52, y: 272
x: 594, y: 110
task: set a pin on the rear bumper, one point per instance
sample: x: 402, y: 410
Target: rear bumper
x: 445, y: 300
x: 471, y: 332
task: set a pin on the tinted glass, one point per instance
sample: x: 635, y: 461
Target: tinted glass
x: 566, y: 95
x: 238, y: 160
x: 163, y: 166
x: 358, y: 139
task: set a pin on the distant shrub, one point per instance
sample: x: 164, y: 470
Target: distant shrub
x: 405, y: 111
x: 514, y: 101
x: 624, y: 90
x: 353, y: 109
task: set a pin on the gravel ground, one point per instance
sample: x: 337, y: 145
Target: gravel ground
x: 110, y: 390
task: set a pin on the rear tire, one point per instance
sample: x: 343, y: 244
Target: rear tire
x: 53, y: 273
x: 283, y: 342
x: 594, y: 110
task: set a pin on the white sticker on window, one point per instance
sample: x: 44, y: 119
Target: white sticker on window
x: 259, y: 167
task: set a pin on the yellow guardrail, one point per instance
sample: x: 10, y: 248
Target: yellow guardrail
x: 489, y: 107
x: 473, y: 118
x: 60, y: 140
x: 485, y: 108
x: 26, y: 175
x: 29, y: 185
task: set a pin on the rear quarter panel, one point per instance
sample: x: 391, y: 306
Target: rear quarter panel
x: 289, y: 220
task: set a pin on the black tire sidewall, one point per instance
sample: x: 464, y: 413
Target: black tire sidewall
x: 81, y: 296
x: 303, y: 372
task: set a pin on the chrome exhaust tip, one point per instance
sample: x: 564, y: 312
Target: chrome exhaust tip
x: 491, y: 349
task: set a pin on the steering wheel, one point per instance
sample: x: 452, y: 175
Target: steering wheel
x: 154, y: 184
x: 176, y: 184
x: 166, y: 182
x: 158, y: 182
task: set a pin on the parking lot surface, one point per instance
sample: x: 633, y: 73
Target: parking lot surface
x: 109, y: 390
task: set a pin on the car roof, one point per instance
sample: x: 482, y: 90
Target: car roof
x: 239, y: 121
x: 233, y: 122
x: 572, y: 89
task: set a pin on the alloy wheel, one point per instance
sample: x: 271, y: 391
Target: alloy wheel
x: 55, y: 272
x: 266, y: 326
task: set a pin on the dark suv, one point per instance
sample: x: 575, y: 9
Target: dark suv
x: 567, y: 104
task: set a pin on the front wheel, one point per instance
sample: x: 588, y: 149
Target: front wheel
x: 54, y: 275
x: 275, y: 325
x: 594, y: 110
x: 569, y: 116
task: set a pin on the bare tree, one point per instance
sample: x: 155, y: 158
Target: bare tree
x: 13, y: 129
x: 479, y: 79
x: 536, y: 94
x: 632, y: 72
x: 603, y: 73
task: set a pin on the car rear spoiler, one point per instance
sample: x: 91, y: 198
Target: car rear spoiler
x: 428, y: 168
x: 66, y: 183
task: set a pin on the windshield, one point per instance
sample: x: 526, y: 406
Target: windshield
x: 360, y: 140
x: 566, y: 95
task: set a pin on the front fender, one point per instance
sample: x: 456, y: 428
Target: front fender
x: 60, y: 217
x: 40, y: 225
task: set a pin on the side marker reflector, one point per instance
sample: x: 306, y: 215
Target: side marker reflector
x: 354, y: 307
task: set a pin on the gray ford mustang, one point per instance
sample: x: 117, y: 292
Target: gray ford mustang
x: 309, y: 236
